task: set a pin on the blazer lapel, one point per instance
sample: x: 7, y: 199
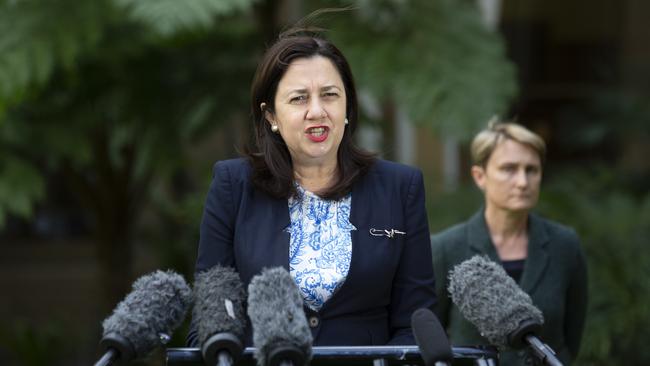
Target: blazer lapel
x: 361, y: 194
x: 359, y: 219
x: 538, y: 256
x: 478, y: 237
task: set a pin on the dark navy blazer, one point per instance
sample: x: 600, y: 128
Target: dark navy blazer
x: 388, y: 279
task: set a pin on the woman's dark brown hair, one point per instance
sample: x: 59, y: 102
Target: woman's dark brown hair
x: 269, y: 156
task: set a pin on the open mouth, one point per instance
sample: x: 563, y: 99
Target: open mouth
x: 317, y: 131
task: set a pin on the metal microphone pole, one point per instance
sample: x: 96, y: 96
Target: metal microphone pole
x: 108, y: 358
x: 485, y: 362
x: 379, y: 362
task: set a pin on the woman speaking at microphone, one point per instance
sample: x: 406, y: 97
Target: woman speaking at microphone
x: 351, y: 229
x: 542, y: 256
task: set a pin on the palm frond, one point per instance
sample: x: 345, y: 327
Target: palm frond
x: 36, y: 37
x: 168, y: 17
x: 434, y: 58
x: 20, y: 186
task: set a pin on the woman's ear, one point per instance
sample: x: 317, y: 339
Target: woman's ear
x: 270, y: 118
x: 478, y: 173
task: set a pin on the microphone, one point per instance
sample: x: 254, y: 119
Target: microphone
x: 431, y: 338
x: 492, y: 301
x: 219, y: 297
x: 146, y: 318
x: 281, y: 335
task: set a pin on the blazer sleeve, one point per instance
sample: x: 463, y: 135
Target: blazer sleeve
x: 576, y: 302
x: 413, y: 285
x: 217, y: 224
x: 216, y: 231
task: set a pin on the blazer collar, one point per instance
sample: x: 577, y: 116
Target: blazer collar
x: 480, y: 242
x: 280, y: 208
x: 280, y: 219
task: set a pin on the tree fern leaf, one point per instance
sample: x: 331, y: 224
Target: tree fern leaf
x: 35, y: 37
x: 167, y: 17
x: 439, y: 56
x: 20, y: 185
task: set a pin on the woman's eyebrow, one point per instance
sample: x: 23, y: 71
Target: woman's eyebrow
x: 329, y: 87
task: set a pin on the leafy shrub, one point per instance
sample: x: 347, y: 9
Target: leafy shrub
x: 614, y: 227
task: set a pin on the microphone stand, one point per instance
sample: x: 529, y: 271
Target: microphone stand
x: 116, y: 346
x: 222, y: 349
x: 543, y: 351
x: 286, y: 355
x: 524, y: 335
x: 485, y: 362
x: 107, y: 358
x: 224, y: 359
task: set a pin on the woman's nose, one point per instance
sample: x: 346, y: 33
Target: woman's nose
x: 315, y: 109
x: 522, y: 178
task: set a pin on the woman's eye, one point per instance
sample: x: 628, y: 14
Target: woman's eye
x: 298, y: 99
x: 330, y: 95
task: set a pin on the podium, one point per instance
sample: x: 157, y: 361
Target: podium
x: 352, y: 355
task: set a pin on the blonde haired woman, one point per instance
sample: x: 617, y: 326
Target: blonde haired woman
x: 542, y: 256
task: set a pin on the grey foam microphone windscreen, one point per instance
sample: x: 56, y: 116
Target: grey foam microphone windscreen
x: 431, y: 338
x: 277, y: 316
x: 491, y: 300
x: 219, y: 297
x: 156, y: 305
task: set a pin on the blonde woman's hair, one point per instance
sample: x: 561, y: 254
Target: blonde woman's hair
x: 496, y: 132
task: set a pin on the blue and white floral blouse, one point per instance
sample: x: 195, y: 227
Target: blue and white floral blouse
x: 320, y: 247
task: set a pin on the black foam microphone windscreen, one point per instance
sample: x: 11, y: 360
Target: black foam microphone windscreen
x: 502, y: 312
x: 146, y: 318
x: 219, y: 314
x: 431, y: 338
x: 281, y: 334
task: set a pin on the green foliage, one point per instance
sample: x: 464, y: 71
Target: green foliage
x: 614, y: 227
x: 93, y: 84
x: 451, y: 208
x: 36, y: 37
x: 175, y: 237
x: 39, y: 37
x: 20, y: 185
x: 611, y: 115
x: 436, y: 59
x: 170, y: 17
x: 33, y: 345
x: 104, y: 101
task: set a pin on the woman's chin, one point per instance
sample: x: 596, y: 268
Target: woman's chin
x: 521, y: 208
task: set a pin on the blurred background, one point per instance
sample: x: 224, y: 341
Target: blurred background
x: 112, y: 113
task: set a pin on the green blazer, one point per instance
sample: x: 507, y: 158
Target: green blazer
x: 555, y: 277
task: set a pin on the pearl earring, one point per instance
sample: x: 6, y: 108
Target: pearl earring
x: 346, y: 120
x: 274, y: 128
